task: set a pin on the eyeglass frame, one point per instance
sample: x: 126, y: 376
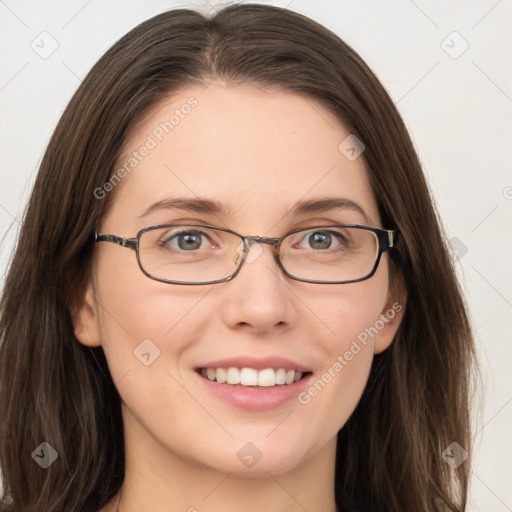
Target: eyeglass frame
x: 386, y: 240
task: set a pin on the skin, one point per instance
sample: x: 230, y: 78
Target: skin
x: 273, y: 148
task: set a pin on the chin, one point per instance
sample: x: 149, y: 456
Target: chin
x: 255, y: 456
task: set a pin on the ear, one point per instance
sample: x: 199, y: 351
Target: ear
x: 391, y: 315
x: 85, y: 318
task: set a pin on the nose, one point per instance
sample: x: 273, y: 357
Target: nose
x: 259, y: 297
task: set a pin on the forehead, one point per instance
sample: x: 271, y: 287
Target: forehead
x: 255, y: 151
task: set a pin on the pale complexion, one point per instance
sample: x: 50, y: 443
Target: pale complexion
x: 257, y: 152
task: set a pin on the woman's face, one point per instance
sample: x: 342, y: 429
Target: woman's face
x: 257, y: 153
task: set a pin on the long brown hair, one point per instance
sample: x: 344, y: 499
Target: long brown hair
x: 54, y: 389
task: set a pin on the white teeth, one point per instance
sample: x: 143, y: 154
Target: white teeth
x: 268, y: 377
x: 233, y: 376
x: 249, y: 377
x: 281, y: 376
x: 221, y: 375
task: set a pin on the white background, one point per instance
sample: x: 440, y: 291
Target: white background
x: 459, y: 112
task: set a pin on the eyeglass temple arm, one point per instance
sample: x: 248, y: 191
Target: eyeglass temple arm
x: 391, y: 239
x: 131, y: 243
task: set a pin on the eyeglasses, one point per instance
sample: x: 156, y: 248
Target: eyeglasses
x: 202, y: 254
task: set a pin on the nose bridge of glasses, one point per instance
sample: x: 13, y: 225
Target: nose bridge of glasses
x: 251, y: 240
x: 261, y: 240
x: 258, y: 241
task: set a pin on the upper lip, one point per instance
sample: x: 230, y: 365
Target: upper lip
x: 256, y: 363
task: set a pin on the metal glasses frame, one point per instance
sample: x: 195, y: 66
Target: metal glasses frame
x: 386, y: 238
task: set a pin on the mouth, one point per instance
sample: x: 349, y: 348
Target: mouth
x: 246, y: 377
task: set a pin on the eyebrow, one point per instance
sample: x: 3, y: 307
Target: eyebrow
x: 327, y: 204
x: 190, y: 204
x: 200, y: 205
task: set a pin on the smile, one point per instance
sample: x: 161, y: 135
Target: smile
x: 251, y: 377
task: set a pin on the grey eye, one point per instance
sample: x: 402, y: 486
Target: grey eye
x: 320, y: 240
x: 186, y: 240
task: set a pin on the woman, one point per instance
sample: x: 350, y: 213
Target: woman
x: 157, y: 353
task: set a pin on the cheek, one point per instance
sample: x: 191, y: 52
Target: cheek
x: 351, y: 310
x: 352, y: 317
x: 139, y: 316
x: 145, y: 334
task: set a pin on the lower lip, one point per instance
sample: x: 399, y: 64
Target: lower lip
x: 251, y: 399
